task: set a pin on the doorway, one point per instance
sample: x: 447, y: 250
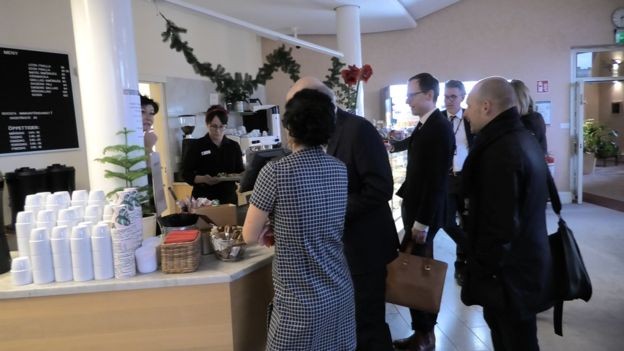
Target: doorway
x: 597, y: 171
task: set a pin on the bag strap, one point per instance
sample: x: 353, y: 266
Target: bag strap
x: 555, y: 202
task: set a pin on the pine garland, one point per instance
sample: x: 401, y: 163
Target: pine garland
x: 241, y: 87
x: 238, y: 87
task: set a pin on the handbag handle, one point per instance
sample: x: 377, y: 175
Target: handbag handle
x: 555, y: 201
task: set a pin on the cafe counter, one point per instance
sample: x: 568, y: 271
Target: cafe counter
x: 221, y: 306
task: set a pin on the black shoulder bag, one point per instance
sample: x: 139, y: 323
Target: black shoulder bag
x: 571, y: 278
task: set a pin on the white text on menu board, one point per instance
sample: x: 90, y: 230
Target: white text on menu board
x: 44, y: 81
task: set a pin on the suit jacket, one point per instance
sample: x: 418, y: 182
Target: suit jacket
x: 370, y: 235
x: 429, y: 158
x: 505, y: 179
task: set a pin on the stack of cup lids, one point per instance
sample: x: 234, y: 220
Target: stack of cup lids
x: 102, y: 252
x: 41, y: 256
x: 61, y: 254
x: 46, y: 219
x: 82, y: 257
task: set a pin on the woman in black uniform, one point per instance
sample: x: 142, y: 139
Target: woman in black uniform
x: 210, y: 155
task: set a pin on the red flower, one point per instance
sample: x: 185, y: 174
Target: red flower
x: 350, y: 75
x: 366, y: 72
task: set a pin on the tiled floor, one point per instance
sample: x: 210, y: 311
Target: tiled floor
x: 597, y: 325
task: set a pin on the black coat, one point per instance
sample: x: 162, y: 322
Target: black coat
x: 370, y: 235
x: 429, y: 159
x: 505, y: 179
x: 534, y: 122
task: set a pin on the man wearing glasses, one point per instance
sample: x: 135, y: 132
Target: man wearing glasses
x: 429, y: 158
x: 454, y: 94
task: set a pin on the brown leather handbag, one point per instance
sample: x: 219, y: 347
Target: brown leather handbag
x: 415, y: 282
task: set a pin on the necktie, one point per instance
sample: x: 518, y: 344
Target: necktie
x: 453, y: 120
x: 419, y: 125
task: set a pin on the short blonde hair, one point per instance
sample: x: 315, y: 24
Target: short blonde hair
x: 525, y: 102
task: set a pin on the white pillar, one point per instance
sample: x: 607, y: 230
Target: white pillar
x: 107, y: 71
x: 350, y: 43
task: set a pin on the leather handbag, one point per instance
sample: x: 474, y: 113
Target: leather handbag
x: 571, y: 277
x: 415, y: 282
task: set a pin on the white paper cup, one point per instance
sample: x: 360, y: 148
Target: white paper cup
x: 80, y: 195
x: 46, y: 216
x: 96, y: 197
x: 34, y: 200
x: 43, y: 276
x: 93, y: 211
x: 25, y: 217
x: 21, y: 277
x: 68, y: 214
x: 63, y: 198
x: 22, y: 233
x: 43, y: 195
x: 79, y: 210
x: 146, y: 259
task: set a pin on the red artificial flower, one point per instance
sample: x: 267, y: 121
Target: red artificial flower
x: 366, y: 72
x: 350, y: 75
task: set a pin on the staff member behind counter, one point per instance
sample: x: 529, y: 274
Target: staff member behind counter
x: 211, y: 155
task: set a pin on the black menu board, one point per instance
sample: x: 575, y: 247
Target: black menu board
x: 36, y: 103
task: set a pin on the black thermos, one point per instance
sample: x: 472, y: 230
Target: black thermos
x: 5, y: 256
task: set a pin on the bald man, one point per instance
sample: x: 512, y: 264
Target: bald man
x: 505, y: 178
x: 370, y: 237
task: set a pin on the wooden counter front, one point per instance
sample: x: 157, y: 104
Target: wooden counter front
x: 211, y: 316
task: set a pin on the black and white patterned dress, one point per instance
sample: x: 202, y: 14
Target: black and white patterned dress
x: 306, y: 196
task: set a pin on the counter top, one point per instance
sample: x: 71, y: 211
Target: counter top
x: 211, y: 271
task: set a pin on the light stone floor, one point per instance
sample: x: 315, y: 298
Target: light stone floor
x: 596, y: 325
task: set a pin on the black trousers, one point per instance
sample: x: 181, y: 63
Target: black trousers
x: 423, y: 322
x: 511, y: 334
x: 455, y: 207
x: 372, y: 330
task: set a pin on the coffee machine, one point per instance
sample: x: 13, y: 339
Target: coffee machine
x: 265, y: 119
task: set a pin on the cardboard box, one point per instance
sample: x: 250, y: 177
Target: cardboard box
x: 220, y: 215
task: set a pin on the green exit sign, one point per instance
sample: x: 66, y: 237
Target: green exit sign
x: 619, y: 36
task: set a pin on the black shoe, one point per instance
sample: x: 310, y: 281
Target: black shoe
x: 403, y: 344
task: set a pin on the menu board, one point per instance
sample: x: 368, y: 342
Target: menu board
x: 36, y: 102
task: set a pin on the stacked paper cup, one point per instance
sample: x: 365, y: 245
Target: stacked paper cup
x: 124, y: 243
x: 93, y: 213
x: 61, y: 254
x: 46, y: 219
x: 79, y: 201
x: 41, y: 256
x: 107, y: 213
x: 130, y: 198
x: 82, y: 258
x: 43, y: 195
x: 21, y: 272
x: 96, y: 197
x: 102, y: 247
x: 63, y: 198
x: 24, y: 223
x: 68, y: 217
x: 33, y: 203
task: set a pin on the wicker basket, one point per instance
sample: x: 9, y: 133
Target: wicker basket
x: 180, y: 257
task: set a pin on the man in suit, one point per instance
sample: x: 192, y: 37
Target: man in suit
x: 454, y: 93
x: 370, y: 237
x: 509, y: 269
x: 429, y: 158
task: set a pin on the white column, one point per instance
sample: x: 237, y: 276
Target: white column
x: 107, y: 71
x: 350, y: 43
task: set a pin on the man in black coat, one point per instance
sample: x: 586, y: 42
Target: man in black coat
x: 454, y: 94
x: 430, y: 151
x: 505, y: 178
x: 370, y: 237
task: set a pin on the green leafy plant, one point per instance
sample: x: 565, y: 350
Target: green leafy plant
x: 122, y: 156
x: 599, y: 140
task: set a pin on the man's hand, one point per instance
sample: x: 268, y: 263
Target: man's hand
x: 208, y: 180
x: 419, y: 236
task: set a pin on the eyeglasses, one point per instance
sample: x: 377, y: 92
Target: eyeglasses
x: 452, y: 97
x: 216, y: 127
x: 411, y: 95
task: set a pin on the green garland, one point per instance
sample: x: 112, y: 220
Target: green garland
x: 241, y: 87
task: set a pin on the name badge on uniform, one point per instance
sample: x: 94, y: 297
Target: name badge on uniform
x: 204, y: 153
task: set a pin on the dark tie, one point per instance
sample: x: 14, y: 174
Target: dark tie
x: 453, y: 120
x: 419, y: 125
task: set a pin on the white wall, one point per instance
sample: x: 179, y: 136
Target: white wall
x: 47, y: 26
x: 528, y: 40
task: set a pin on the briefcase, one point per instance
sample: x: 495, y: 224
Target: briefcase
x: 416, y: 282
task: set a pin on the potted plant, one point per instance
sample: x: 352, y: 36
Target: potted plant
x: 127, y: 159
x: 599, y: 142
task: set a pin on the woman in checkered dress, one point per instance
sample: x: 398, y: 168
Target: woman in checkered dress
x: 305, y: 196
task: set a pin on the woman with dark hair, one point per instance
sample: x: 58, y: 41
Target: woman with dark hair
x: 210, y: 155
x: 149, y: 108
x: 305, y: 196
